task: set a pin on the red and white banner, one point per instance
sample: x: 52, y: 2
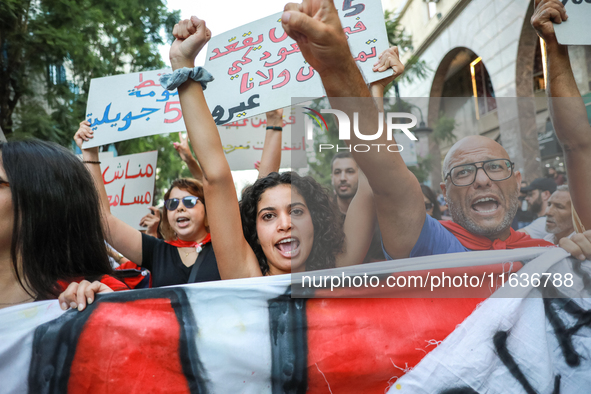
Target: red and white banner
x: 250, y: 336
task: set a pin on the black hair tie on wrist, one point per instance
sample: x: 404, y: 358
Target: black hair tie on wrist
x: 276, y: 128
x: 91, y: 162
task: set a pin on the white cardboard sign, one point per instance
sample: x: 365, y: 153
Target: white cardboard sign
x: 129, y: 182
x: 258, y: 68
x: 575, y: 31
x: 128, y: 106
x: 243, y: 142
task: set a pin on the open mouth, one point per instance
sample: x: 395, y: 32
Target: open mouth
x: 485, y: 205
x: 182, y: 222
x: 288, y: 247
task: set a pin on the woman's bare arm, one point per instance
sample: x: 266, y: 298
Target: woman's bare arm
x: 234, y: 256
x: 123, y: 237
x: 567, y: 108
x: 182, y: 147
x: 271, y: 158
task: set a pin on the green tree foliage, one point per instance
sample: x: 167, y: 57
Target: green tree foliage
x: 423, y: 168
x: 397, y: 36
x: 443, y: 132
x: 41, y: 39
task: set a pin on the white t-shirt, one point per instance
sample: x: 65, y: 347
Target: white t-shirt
x: 537, y: 228
x: 550, y: 237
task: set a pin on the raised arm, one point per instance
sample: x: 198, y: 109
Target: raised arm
x: 234, y: 256
x: 567, y: 109
x: 359, y: 225
x: 316, y: 27
x: 182, y: 147
x: 271, y: 158
x: 361, y: 217
x: 123, y: 237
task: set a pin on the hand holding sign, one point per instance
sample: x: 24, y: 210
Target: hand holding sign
x: 548, y: 12
x: 315, y: 26
x: 191, y: 35
x: 388, y: 59
x: 84, y: 133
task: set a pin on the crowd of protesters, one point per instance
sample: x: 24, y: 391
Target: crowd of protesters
x: 55, y: 215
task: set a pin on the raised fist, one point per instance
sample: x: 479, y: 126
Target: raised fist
x: 545, y: 14
x: 191, y: 35
x: 315, y: 26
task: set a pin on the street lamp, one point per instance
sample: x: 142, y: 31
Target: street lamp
x: 422, y: 130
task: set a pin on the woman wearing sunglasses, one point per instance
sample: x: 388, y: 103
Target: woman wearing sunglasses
x: 187, y: 258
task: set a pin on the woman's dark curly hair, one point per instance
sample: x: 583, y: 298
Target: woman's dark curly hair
x: 329, y: 237
x: 430, y: 194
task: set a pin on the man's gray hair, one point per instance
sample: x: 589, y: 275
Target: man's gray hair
x: 562, y: 188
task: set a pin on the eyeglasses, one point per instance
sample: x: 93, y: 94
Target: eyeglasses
x: 428, y: 206
x: 189, y: 202
x: 495, y: 169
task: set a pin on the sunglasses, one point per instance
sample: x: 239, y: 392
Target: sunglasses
x: 3, y: 182
x: 428, y: 205
x: 189, y: 202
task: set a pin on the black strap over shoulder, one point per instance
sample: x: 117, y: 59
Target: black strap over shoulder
x: 195, y: 268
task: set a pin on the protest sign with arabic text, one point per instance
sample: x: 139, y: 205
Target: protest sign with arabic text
x: 243, y: 142
x: 258, y: 68
x: 129, y: 182
x: 129, y: 106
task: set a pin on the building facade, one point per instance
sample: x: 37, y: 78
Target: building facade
x: 487, y: 72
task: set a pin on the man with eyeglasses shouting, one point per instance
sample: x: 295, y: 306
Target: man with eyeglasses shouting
x: 481, y: 184
x: 481, y: 187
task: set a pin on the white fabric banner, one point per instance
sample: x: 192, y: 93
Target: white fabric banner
x: 250, y: 336
x: 513, y: 345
